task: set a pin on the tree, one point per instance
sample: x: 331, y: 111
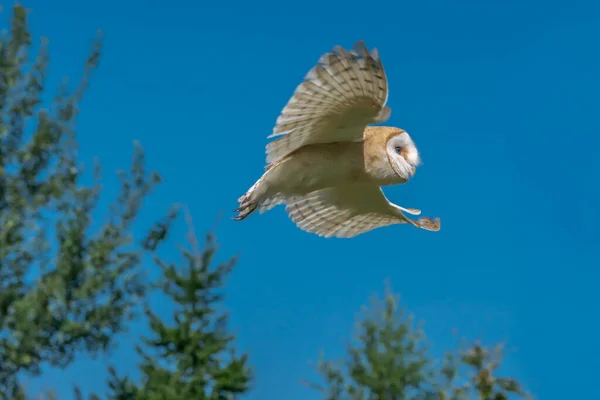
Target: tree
x: 390, y: 361
x: 191, y: 358
x: 66, y: 285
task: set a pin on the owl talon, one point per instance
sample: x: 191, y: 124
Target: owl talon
x: 244, y: 211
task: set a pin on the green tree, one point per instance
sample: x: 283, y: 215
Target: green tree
x: 192, y: 357
x: 389, y: 360
x: 66, y: 285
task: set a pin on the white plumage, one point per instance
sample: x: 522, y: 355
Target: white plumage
x: 325, y: 164
x: 341, y: 95
x: 342, y: 211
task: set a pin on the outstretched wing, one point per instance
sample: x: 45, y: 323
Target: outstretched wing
x: 339, y: 97
x: 349, y: 210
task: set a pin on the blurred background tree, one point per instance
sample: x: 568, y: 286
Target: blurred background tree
x: 191, y: 357
x: 66, y: 285
x: 389, y: 360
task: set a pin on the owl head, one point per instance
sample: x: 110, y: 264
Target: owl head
x: 402, y: 153
x: 390, y: 154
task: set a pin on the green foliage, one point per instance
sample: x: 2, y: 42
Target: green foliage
x: 390, y: 361
x: 479, y: 365
x: 66, y: 285
x: 191, y: 358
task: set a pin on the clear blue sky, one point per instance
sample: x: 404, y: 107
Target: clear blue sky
x: 500, y: 96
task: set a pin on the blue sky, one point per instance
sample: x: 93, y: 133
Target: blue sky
x: 501, y: 98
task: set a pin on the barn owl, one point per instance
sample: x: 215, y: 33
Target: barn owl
x: 326, y: 164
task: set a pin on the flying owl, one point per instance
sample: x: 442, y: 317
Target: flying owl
x: 326, y: 165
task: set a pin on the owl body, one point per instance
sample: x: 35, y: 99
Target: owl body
x: 318, y: 166
x: 325, y: 164
x: 311, y: 168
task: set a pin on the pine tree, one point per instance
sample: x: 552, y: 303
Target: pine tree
x: 390, y: 360
x: 66, y: 284
x: 192, y: 357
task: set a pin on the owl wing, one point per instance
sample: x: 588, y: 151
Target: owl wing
x: 349, y: 210
x: 340, y: 95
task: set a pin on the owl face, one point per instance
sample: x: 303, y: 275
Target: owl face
x: 403, y: 155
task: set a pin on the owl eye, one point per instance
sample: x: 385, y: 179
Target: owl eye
x: 398, y: 149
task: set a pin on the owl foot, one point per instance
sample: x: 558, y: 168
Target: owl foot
x: 244, y: 211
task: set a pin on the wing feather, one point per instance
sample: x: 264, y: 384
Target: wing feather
x: 349, y: 210
x: 339, y: 97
